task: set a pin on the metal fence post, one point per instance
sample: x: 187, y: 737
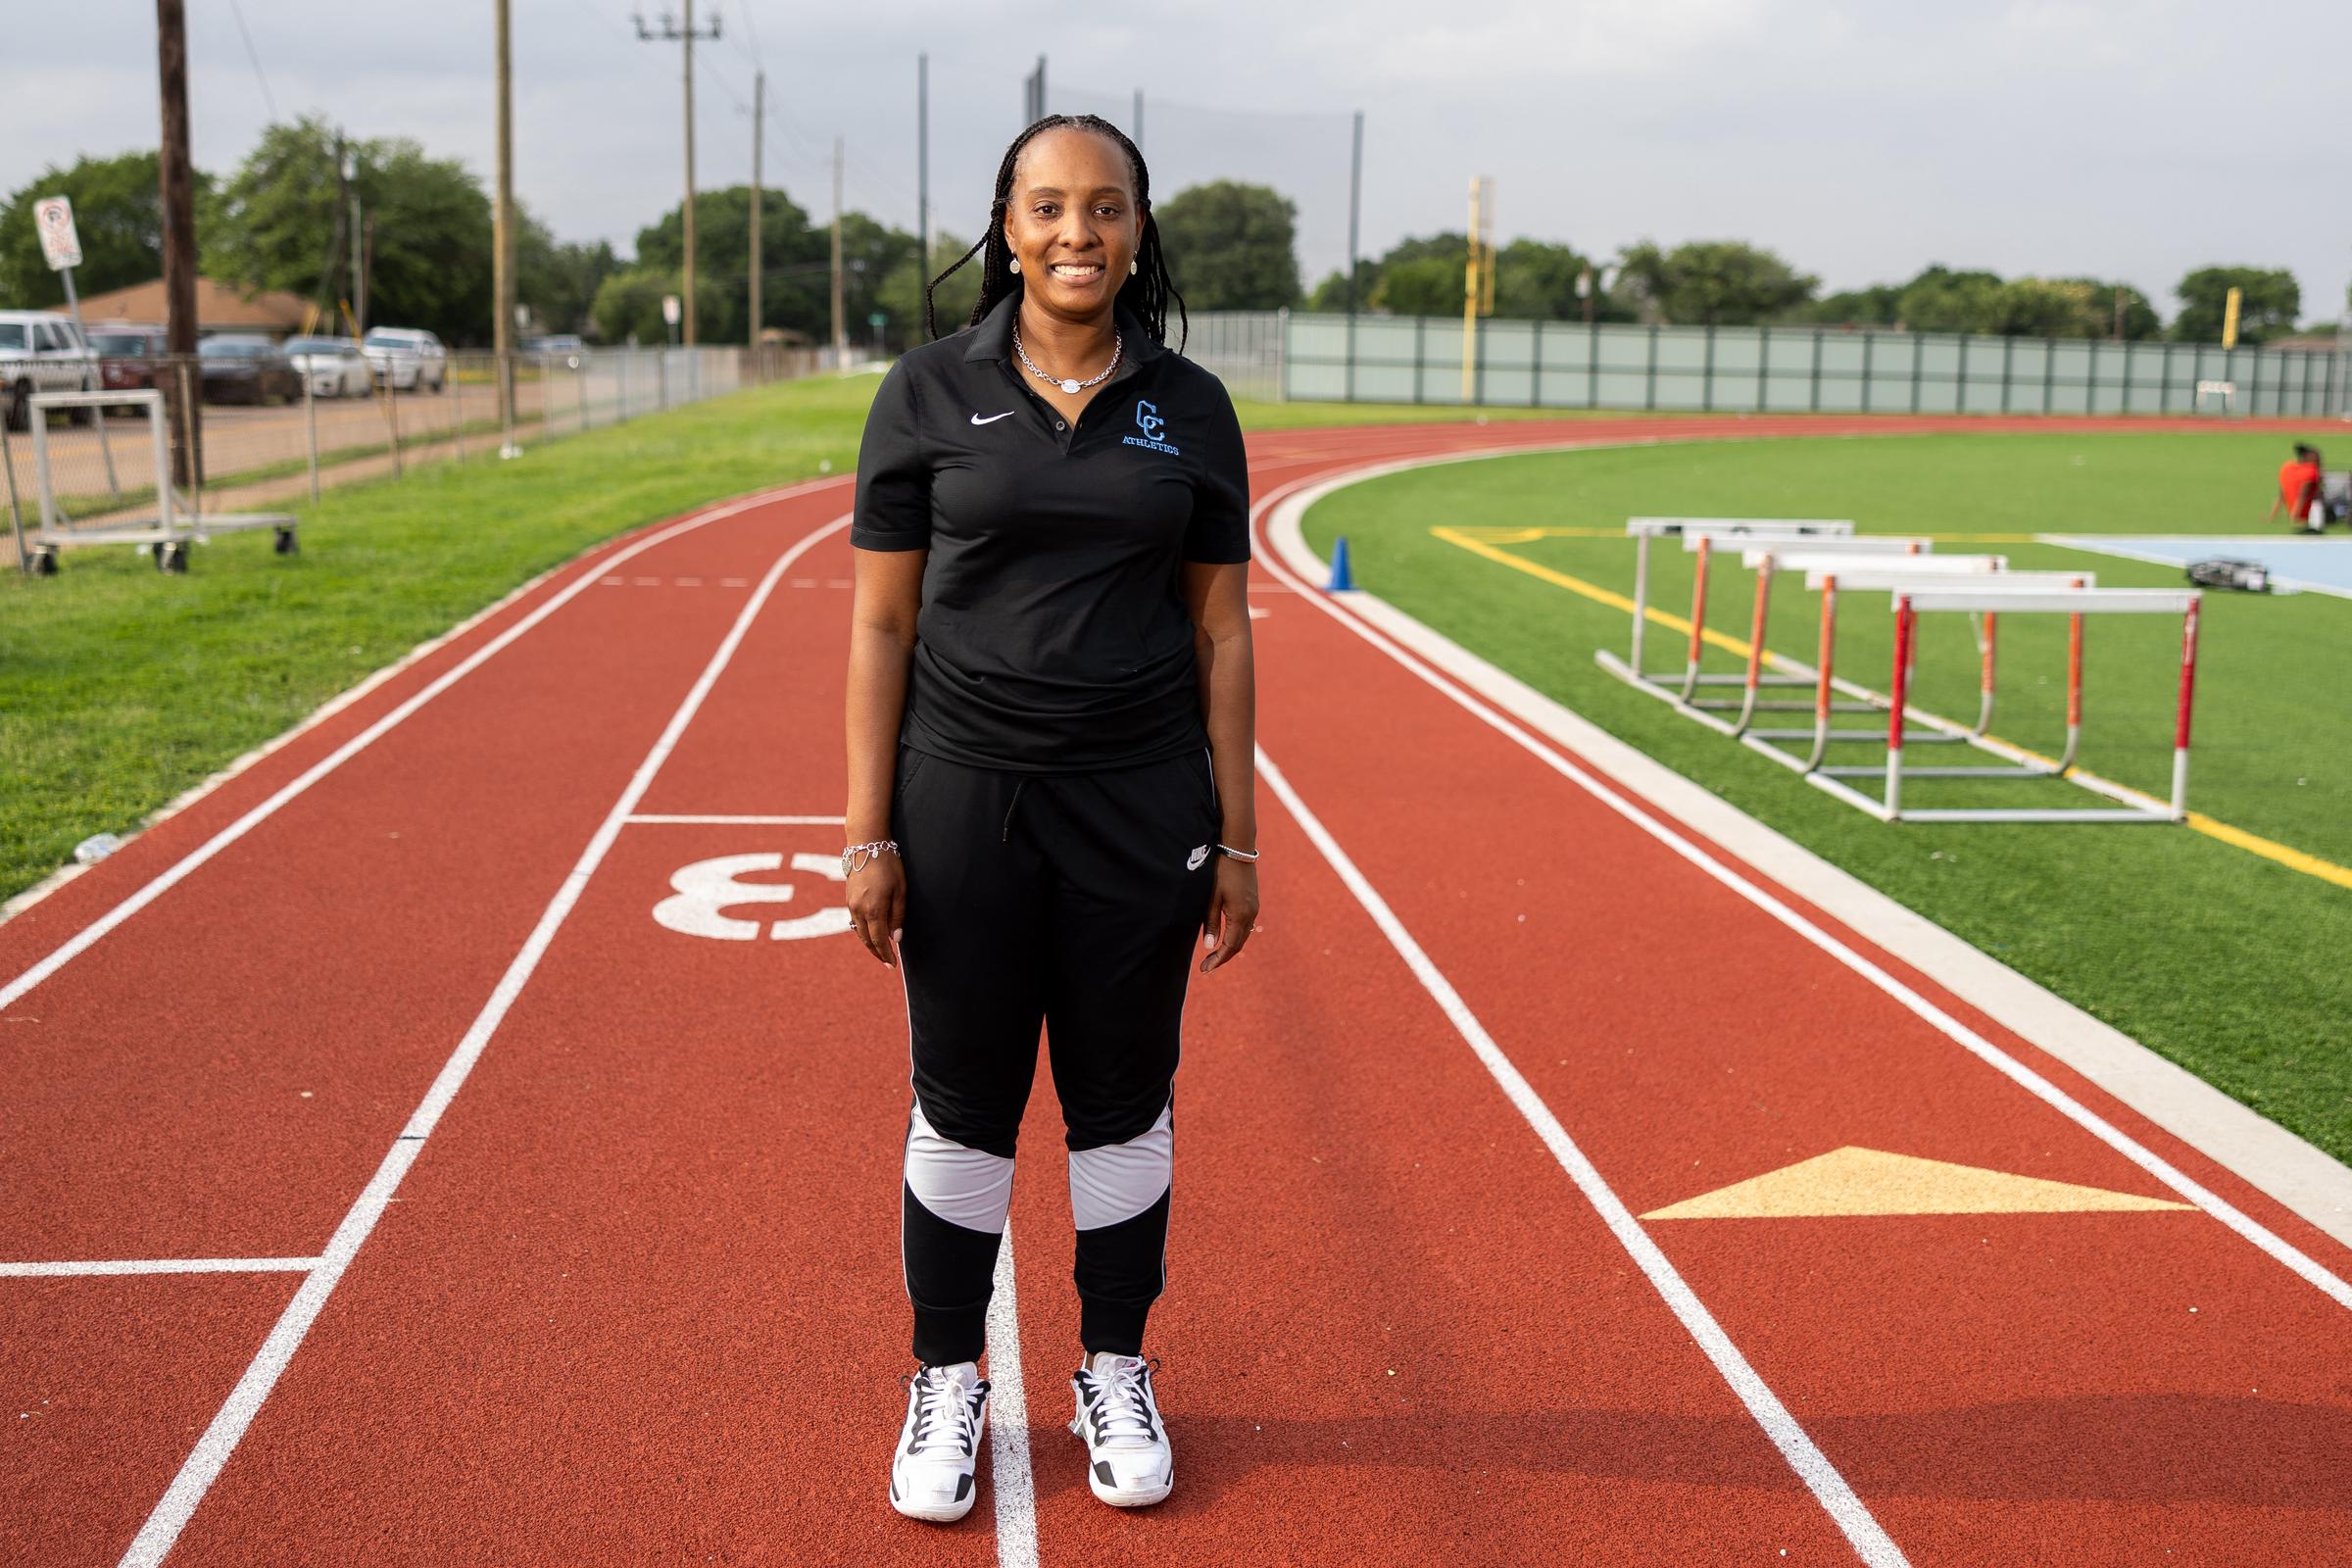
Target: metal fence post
x: 1535, y: 379
x: 1919, y: 355
x: 1870, y: 343
x: 1960, y: 379
x: 16, y: 515
x: 1420, y: 352
x: 310, y: 425
x: 1816, y: 371
x: 1706, y: 375
x: 2049, y: 375
x: 1763, y: 369
x: 457, y: 411
x: 2008, y: 360
x: 391, y: 421
x: 1650, y: 375
x: 662, y: 378
x: 579, y: 390
x: 1592, y: 365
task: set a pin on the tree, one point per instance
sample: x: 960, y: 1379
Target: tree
x: 1423, y: 286
x: 117, y: 213
x: 1714, y: 283
x: 1535, y: 281
x: 2272, y: 301
x: 1941, y: 300
x: 281, y: 225
x: 628, y: 306
x: 557, y: 279
x: 1231, y: 246
x: 1879, y: 305
x: 902, y: 291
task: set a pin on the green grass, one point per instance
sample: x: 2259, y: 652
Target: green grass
x: 2230, y: 964
x: 120, y: 686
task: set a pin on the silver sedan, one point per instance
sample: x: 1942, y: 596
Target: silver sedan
x: 333, y: 366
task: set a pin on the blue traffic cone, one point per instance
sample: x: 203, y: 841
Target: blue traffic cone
x: 1341, y: 580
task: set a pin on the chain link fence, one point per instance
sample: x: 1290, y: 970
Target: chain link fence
x: 275, y: 429
x: 1303, y: 356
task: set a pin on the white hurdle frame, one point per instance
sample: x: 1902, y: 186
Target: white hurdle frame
x: 1996, y: 598
x: 173, y: 524
x: 1644, y: 529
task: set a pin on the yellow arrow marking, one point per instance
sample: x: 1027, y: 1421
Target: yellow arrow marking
x: 1870, y: 1181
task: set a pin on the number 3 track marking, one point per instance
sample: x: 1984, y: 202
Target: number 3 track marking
x: 707, y: 887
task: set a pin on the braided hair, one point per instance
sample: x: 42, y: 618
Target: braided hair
x: 1146, y: 294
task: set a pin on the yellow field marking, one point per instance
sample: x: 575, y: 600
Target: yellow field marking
x: 1871, y: 1181
x: 2292, y: 858
x: 1497, y: 535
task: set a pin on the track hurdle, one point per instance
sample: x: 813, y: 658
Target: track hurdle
x: 1913, y: 600
x: 1828, y: 575
x: 1643, y: 531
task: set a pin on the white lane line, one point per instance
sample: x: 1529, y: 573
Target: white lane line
x: 160, y: 1265
x: 213, y: 1449
x: 2277, y: 1247
x: 1812, y: 1466
x: 82, y: 941
x: 1008, y: 1421
x: 667, y: 820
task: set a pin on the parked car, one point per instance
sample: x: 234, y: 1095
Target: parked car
x: 409, y: 358
x: 41, y: 351
x: 334, y: 367
x: 128, y: 355
x: 565, y: 346
x: 236, y: 369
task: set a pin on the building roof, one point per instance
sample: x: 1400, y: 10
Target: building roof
x: 218, y: 307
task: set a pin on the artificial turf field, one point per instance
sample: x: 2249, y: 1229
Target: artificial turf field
x: 2234, y: 965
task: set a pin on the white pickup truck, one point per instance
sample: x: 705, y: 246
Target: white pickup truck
x: 40, y: 351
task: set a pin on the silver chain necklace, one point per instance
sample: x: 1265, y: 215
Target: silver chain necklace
x: 1068, y: 385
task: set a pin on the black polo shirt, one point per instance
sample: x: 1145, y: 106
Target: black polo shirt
x: 1052, y: 636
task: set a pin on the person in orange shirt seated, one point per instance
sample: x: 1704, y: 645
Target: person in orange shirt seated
x: 2300, y: 491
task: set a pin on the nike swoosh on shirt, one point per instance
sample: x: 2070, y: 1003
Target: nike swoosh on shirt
x: 992, y: 418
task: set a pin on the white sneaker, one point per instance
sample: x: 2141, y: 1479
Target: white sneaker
x: 1129, y: 1462
x: 931, y: 1476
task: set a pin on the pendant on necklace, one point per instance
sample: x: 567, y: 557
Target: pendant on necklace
x: 1070, y: 387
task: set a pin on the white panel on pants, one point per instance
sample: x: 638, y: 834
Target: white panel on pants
x: 1120, y: 1181
x: 967, y: 1187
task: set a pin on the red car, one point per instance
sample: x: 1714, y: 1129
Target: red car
x: 126, y: 355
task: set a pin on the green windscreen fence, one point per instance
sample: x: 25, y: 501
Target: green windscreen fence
x: 1566, y: 364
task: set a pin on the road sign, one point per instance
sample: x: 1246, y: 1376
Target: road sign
x: 877, y: 320
x: 669, y: 309
x: 53, y: 216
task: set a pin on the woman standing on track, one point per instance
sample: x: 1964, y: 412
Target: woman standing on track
x: 1050, y: 718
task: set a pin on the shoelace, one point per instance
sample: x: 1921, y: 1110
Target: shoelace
x: 943, y: 1415
x: 1121, y: 1416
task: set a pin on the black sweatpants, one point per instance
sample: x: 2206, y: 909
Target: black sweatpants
x: 1074, y: 901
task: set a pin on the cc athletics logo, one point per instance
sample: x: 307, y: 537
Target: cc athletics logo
x: 1147, y: 420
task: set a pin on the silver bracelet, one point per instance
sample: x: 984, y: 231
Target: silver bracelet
x: 857, y: 856
x: 1232, y: 853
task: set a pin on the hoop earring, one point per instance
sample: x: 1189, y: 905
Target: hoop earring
x: 1016, y: 264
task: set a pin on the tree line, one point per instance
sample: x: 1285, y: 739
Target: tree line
x: 277, y: 223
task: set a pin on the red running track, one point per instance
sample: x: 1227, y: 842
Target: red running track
x: 636, y: 1298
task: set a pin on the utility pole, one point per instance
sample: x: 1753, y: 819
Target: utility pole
x: 178, y: 197
x: 1356, y: 207
x: 841, y: 343
x: 684, y: 33
x: 1033, y: 94
x: 1134, y: 131
x: 501, y: 236
x: 922, y: 158
x: 758, y: 125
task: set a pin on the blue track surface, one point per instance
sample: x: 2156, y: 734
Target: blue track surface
x: 2317, y: 565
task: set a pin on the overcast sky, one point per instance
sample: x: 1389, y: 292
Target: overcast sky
x: 2133, y: 139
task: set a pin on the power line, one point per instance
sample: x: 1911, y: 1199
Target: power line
x: 238, y: 11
